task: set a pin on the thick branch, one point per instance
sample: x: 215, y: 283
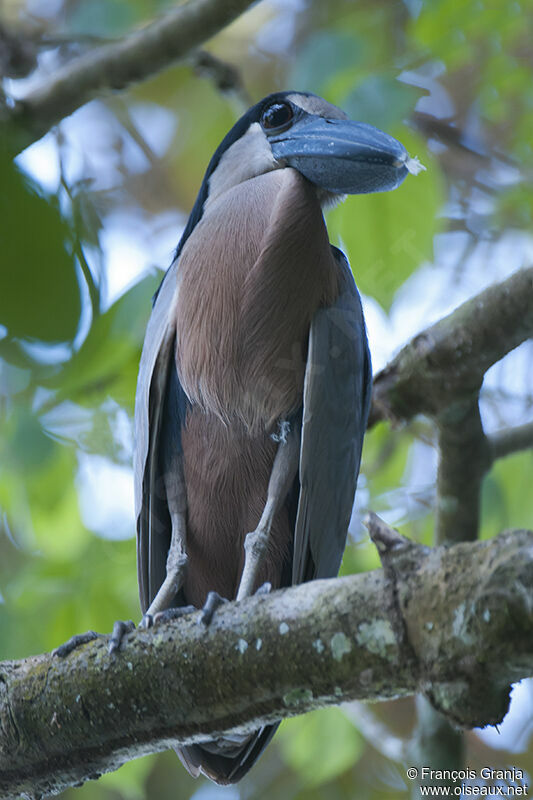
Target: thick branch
x: 436, y: 743
x: 116, y: 65
x: 446, y: 363
x: 455, y: 622
x: 464, y: 460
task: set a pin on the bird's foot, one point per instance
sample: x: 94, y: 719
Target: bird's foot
x: 119, y: 629
x: 213, y: 601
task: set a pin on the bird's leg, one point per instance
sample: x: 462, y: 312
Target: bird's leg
x: 160, y: 607
x: 283, y: 472
x: 159, y: 610
x: 176, y: 565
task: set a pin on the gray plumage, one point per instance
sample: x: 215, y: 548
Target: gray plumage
x: 336, y: 403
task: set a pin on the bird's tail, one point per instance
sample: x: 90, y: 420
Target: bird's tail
x: 228, y: 759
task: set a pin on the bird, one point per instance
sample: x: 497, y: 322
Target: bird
x: 254, y: 383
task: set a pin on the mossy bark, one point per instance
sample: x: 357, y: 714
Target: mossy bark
x: 454, y: 622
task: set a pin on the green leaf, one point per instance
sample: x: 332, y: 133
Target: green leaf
x: 39, y: 289
x: 28, y: 447
x: 129, y: 781
x: 506, y: 498
x: 325, y: 58
x: 108, y: 360
x: 514, y: 207
x: 381, y: 100
x: 320, y: 745
x: 386, y: 236
x: 102, y: 17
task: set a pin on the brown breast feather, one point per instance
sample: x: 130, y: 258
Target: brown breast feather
x: 252, y: 274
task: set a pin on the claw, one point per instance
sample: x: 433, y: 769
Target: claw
x: 75, y: 641
x: 120, y: 628
x: 213, y: 601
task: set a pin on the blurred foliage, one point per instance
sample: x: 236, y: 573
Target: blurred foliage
x: 506, y: 501
x: 391, y: 228
x: 106, y: 363
x: 321, y: 745
x: 453, y: 82
x: 39, y: 272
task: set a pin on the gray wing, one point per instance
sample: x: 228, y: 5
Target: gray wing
x: 156, y: 372
x: 337, y: 391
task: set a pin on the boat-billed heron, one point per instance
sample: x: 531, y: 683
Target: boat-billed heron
x: 254, y: 383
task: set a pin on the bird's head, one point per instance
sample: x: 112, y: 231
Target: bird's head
x: 305, y: 132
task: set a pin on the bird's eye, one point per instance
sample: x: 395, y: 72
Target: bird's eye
x: 278, y: 115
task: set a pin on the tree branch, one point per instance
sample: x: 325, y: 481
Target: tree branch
x: 464, y: 460
x: 454, y: 622
x: 445, y: 364
x: 440, y: 373
x: 436, y: 743
x: 226, y: 78
x: 118, y: 64
x: 511, y: 440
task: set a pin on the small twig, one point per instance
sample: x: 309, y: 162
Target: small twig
x: 226, y: 77
x: 18, y: 53
x: 94, y: 292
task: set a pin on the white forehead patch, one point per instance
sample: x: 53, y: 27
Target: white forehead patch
x: 316, y: 105
x: 247, y: 158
